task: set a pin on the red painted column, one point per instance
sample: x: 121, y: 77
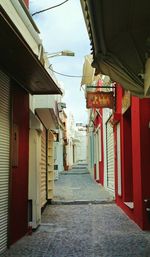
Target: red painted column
x: 19, y: 172
x: 94, y: 171
x: 145, y: 160
x: 101, y: 163
x: 117, y: 118
x: 136, y: 162
x: 123, y: 148
x: 98, y: 122
x: 141, y: 159
x: 138, y: 146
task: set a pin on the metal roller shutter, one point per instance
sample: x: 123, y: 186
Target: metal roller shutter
x: 50, y: 164
x: 43, y: 168
x: 110, y: 156
x: 4, y: 157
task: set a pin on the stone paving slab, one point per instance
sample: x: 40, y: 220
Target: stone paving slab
x: 79, y: 186
x: 84, y: 231
x: 77, y: 202
x: 83, y: 225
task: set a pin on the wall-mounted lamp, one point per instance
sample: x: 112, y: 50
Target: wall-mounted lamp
x: 61, y: 53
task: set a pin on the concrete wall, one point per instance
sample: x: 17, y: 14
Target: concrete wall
x: 81, y: 146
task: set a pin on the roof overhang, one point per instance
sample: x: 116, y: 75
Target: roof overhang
x: 48, y: 118
x: 20, y: 63
x: 120, y: 37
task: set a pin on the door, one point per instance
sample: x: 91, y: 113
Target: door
x: 50, y: 165
x: 110, y: 156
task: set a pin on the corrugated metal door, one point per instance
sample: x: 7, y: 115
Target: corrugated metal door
x: 110, y: 156
x: 43, y: 168
x: 50, y: 164
x: 119, y: 159
x: 4, y: 157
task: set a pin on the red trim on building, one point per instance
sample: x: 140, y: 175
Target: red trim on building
x: 135, y: 143
x: 19, y: 172
x: 95, y: 171
x: 98, y: 122
x: 101, y: 163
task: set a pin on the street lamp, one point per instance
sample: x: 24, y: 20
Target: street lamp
x: 61, y: 53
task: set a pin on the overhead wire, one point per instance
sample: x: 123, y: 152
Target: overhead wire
x: 67, y: 75
x: 49, y: 8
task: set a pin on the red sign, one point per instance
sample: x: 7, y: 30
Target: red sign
x: 100, y: 100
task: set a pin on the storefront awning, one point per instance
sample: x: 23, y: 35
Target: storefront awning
x: 47, y: 117
x: 88, y: 71
x: 20, y: 63
x: 120, y: 37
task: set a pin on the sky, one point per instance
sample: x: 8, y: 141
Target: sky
x: 63, y: 28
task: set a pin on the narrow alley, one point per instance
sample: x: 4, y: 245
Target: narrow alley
x: 74, y: 128
x: 82, y: 221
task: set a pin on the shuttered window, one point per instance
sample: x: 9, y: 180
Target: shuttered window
x: 110, y: 156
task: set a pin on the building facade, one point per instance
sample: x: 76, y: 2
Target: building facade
x: 125, y: 61
x: 22, y: 72
x: 131, y: 135
x: 120, y: 159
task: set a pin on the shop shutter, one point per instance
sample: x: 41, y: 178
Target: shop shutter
x: 50, y: 166
x: 43, y: 168
x: 110, y: 156
x: 4, y: 157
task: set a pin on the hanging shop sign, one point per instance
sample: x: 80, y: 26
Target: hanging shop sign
x: 100, y: 100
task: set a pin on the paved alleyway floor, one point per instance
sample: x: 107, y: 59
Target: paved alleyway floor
x: 88, y: 229
x: 77, y: 185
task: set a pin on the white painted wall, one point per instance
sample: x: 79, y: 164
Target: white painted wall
x: 28, y: 30
x: 45, y: 101
x: 69, y: 150
x: 81, y: 145
x: 16, y: 13
x: 58, y: 153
